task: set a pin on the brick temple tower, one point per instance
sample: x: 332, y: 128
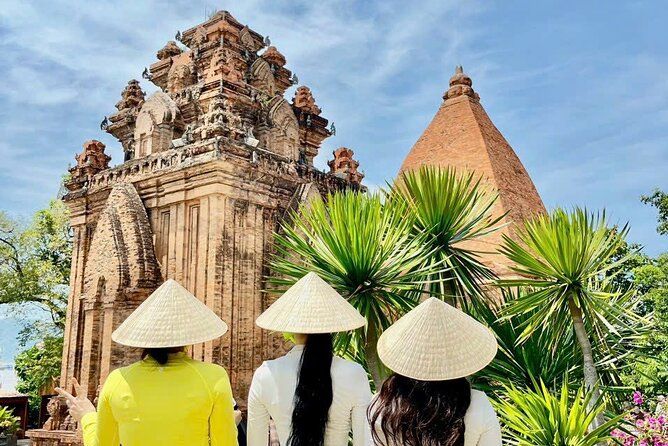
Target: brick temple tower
x: 462, y: 136
x: 213, y: 161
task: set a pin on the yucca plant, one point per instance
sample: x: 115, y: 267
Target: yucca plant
x: 363, y: 247
x: 454, y: 211
x: 562, y: 258
x: 539, y: 418
x: 524, y: 364
x: 548, y: 357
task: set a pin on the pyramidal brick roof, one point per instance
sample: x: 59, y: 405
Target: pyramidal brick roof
x: 461, y: 135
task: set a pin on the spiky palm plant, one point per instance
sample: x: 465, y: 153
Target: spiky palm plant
x: 562, y: 258
x: 540, y: 418
x: 363, y: 247
x: 452, y: 210
x: 524, y: 364
x: 547, y: 356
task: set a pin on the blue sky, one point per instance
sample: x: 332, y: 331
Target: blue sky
x: 578, y: 88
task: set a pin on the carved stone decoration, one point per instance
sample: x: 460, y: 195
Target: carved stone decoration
x: 304, y: 100
x: 284, y: 133
x: 122, y: 246
x: 227, y: 64
x: 262, y: 77
x: 169, y: 50
x: 89, y: 162
x: 122, y: 123
x: 345, y: 166
x: 157, y: 124
x: 221, y: 120
x: 273, y: 56
x: 57, y: 414
x: 180, y: 76
x: 460, y: 84
x: 199, y: 38
x: 247, y: 41
x: 132, y: 96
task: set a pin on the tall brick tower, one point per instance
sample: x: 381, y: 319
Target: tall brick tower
x: 213, y: 161
x: 462, y: 136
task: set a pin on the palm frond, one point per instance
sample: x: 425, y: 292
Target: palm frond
x: 539, y: 417
x: 453, y: 211
x: 364, y: 247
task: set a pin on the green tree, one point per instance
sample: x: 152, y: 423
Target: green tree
x: 36, y: 366
x: 624, y: 261
x: 539, y: 358
x: 649, y: 365
x: 364, y: 249
x: 659, y: 200
x: 562, y: 258
x: 35, y: 261
x: 453, y: 211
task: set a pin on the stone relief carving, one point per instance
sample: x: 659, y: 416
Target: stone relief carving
x: 284, y: 133
x: 262, y: 77
x: 157, y: 123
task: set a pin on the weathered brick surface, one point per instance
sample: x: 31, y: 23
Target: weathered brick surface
x: 462, y: 135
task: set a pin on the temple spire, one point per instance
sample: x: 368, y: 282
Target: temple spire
x: 462, y: 136
x: 460, y: 85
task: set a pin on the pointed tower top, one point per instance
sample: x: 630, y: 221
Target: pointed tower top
x: 460, y: 85
x: 461, y: 135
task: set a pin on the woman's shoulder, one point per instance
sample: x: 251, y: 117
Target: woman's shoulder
x: 351, y: 375
x: 348, y: 367
x: 481, y: 407
x: 208, y: 368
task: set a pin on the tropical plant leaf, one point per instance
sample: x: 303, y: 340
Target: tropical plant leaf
x: 452, y: 212
x: 363, y: 246
x: 539, y: 417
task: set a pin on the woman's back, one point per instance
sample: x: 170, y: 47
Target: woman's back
x: 481, y: 423
x: 180, y: 403
x: 272, y: 395
x: 481, y: 426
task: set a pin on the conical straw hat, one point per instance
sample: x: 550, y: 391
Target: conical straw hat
x: 436, y: 342
x: 170, y: 317
x: 311, y: 305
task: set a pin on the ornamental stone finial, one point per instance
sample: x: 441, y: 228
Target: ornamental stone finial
x: 460, y: 85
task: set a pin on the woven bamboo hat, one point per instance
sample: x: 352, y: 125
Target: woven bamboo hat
x: 436, y: 342
x: 311, y: 305
x: 170, y: 317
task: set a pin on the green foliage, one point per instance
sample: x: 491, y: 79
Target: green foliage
x: 452, y: 209
x: 547, y: 357
x: 35, y: 261
x: 536, y: 417
x: 561, y: 258
x: 364, y: 249
x: 37, y: 366
x: 624, y: 261
x: 649, y: 365
x: 538, y: 359
x: 659, y: 200
x: 9, y: 423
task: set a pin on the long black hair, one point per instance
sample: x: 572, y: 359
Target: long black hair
x: 160, y: 355
x: 314, y: 394
x: 420, y: 413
